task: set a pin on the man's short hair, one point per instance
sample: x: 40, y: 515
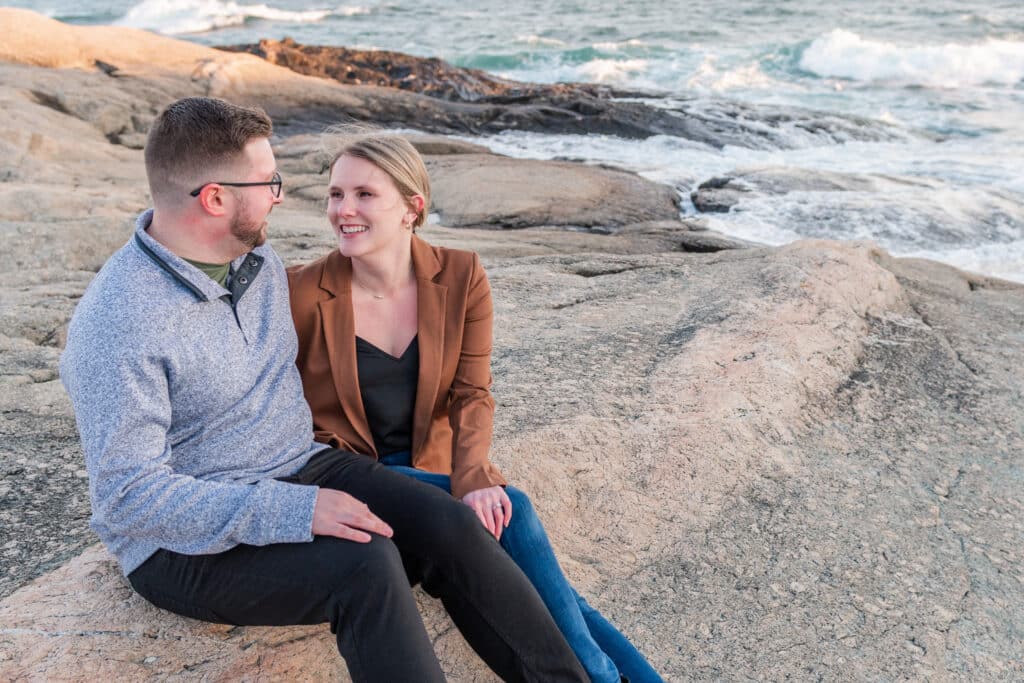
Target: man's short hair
x: 196, y: 136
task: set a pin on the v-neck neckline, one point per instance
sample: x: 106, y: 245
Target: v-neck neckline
x: 387, y: 355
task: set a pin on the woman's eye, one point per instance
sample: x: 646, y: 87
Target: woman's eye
x: 364, y: 193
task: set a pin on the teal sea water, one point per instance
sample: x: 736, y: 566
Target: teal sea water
x: 954, y: 69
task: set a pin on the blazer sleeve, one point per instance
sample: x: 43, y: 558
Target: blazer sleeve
x: 306, y: 318
x: 471, y: 406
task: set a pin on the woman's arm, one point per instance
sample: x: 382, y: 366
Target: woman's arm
x: 302, y: 295
x: 471, y: 407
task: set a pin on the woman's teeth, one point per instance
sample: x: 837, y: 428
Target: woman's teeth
x: 351, y: 229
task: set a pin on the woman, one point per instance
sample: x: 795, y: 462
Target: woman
x: 394, y: 352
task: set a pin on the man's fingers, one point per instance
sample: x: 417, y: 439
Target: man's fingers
x: 372, y: 522
x: 348, y: 533
x: 336, y: 509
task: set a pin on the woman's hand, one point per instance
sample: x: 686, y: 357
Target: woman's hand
x: 492, y: 506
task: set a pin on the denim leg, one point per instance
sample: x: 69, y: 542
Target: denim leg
x: 527, y: 544
x: 629, y: 660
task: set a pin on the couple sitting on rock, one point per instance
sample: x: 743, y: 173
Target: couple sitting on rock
x: 184, y: 367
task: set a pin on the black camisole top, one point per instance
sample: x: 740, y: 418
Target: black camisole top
x: 388, y: 389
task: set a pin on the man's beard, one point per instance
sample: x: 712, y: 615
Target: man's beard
x: 248, y: 232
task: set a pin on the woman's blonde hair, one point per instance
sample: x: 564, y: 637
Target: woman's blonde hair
x: 392, y: 154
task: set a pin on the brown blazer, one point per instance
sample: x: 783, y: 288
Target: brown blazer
x: 454, y: 411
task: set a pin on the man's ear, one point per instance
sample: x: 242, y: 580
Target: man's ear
x: 211, y: 198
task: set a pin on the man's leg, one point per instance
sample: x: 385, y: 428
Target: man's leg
x: 527, y: 544
x: 360, y: 588
x: 488, y: 597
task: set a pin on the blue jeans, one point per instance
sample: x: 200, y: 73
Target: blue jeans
x: 601, y: 649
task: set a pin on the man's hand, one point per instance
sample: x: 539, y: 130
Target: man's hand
x: 492, y: 506
x: 338, y: 514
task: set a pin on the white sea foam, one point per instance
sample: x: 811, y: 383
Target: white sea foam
x: 615, y: 46
x: 710, y: 76
x: 351, y: 11
x: 954, y: 208
x: 611, y: 70
x: 539, y: 40
x: 1000, y: 260
x: 844, y: 54
x: 195, y: 16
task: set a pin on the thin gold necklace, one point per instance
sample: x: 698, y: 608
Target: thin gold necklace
x: 367, y: 289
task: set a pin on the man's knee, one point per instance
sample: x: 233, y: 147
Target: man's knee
x: 345, y: 563
x: 451, y: 528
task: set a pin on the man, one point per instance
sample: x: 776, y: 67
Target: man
x: 205, y: 481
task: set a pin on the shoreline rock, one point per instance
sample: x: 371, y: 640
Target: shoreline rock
x: 473, y: 101
x: 811, y: 451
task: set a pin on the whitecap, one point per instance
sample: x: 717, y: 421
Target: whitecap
x: 195, y: 16
x: 611, y: 70
x: 539, y: 40
x: 844, y: 54
x: 615, y: 46
x: 351, y: 11
x: 710, y: 77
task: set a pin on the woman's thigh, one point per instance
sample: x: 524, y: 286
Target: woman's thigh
x: 441, y: 481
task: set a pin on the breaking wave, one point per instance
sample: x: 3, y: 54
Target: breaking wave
x: 843, y: 54
x: 196, y: 16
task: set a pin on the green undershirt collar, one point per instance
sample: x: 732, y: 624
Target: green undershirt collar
x: 218, y: 272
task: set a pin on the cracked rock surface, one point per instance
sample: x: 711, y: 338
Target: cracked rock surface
x: 761, y: 463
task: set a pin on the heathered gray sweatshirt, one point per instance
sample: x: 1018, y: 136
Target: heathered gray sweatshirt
x: 189, y: 404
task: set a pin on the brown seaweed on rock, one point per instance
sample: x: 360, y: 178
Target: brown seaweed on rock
x: 473, y: 101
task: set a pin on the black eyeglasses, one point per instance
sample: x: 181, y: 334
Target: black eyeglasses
x: 274, y: 184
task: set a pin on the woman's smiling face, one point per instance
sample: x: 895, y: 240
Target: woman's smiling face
x: 365, y: 208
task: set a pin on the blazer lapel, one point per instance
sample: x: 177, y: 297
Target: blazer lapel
x: 430, y: 325
x: 340, y: 337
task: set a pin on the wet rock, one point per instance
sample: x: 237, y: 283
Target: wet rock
x: 709, y: 241
x: 425, y: 75
x: 492, y: 104
x: 301, y: 103
x: 910, y: 213
x: 721, y: 193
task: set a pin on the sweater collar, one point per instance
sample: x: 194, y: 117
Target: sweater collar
x: 190, y: 277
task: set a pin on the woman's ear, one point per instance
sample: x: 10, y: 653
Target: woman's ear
x: 416, y: 204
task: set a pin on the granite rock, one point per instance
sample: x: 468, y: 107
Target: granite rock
x: 761, y: 463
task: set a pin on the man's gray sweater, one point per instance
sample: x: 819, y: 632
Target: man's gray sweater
x: 189, y: 404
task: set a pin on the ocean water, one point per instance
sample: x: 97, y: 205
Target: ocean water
x: 951, y: 69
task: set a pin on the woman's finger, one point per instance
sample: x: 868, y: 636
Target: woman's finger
x: 498, y: 515
x: 506, y: 506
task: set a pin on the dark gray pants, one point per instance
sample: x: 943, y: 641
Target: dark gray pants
x: 362, y: 589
